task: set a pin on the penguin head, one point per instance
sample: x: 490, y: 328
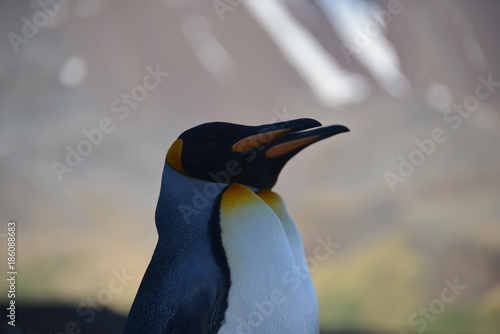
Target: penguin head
x: 263, y: 171
x: 221, y: 152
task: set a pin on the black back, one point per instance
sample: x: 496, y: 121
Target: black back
x: 186, y: 284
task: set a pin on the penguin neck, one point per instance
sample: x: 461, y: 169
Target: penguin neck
x: 172, y: 175
x: 183, y: 201
x: 175, y: 181
x: 188, y: 196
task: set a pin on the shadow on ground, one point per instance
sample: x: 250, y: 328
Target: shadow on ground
x: 63, y: 319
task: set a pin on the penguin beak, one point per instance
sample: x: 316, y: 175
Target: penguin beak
x: 292, y: 143
x: 269, y: 132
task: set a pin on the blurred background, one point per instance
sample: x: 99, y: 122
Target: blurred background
x: 417, y: 225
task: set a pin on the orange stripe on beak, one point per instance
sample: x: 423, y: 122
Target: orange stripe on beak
x: 253, y: 141
x: 289, y: 146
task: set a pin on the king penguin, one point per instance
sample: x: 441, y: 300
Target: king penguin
x: 229, y: 258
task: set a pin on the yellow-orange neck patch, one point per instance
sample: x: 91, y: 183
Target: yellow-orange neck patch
x: 274, y: 201
x: 237, y: 195
x: 270, y: 197
x: 174, y: 156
